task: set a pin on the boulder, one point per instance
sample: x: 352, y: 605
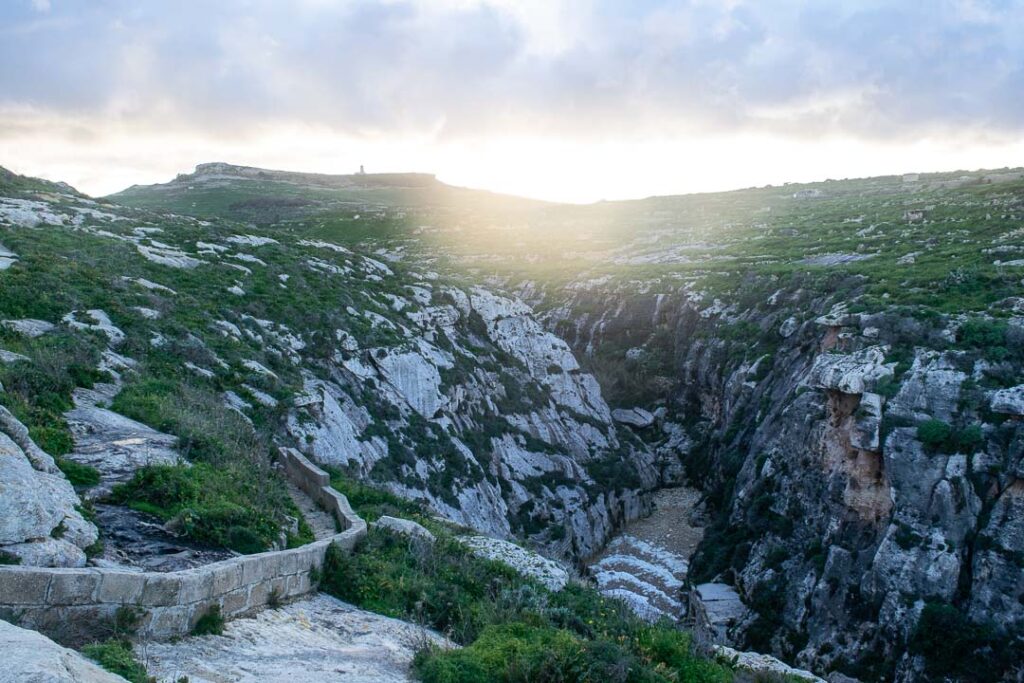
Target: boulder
x: 31, y: 657
x: 849, y: 373
x: 1008, y: 401
x: 406, y: 527
x: 524, y: 561
x: 634, y: 417
x: 763, y: 666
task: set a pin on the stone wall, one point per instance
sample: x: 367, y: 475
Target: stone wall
x: 78, y: 605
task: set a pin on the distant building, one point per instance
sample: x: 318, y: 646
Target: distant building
x: 362, y: 171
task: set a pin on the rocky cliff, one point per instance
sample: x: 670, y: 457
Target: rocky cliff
x: 861, y: 466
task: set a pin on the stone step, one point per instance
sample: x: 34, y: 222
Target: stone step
x: 319, y: 520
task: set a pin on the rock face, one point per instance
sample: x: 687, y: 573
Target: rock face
x: 715, y: 608
x: 112, y: 443
x: 634, y: 417
x: 836, y: 524
x: 526, y: 562
x: 30, y: 657
x: 504, y: 433
x: 39, y: 519
x: 320, y: 639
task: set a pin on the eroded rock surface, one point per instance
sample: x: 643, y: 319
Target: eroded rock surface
x: 30, y: 657
x: 320, y: 639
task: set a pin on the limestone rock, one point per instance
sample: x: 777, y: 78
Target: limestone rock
x: 526, y: 562
x: 405, y: 527
x: 849, y: 373
x: 39, y: 521
x: 1009, y: 401
x: 30, y: 657
x: 634, y: 417
x: 318, y: 640
x: 29, y: 327
x: 763, y: 665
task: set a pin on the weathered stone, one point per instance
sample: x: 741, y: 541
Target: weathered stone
x: 30, y: 657
x: 526, y: 562
x: 634, y: 417
x: 319, y: 640
x: 406, y: 527
x: 849, y: 373
x: 161, y: 589
x: 715, y: 607
x: 73, y: 587
x: 23, y: 586
x: 120, y: 587
x: 1009, y: 401
x: 763, y: 665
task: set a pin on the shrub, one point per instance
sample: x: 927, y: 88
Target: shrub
x: 211, y: 623
x: 77, y: 473
x: 116, y: 656
x: 933, y: 433
x: 957, y: 648
x: 214, y: 506
x: 514, y: 628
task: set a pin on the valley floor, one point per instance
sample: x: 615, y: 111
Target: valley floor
x: 646, y: 564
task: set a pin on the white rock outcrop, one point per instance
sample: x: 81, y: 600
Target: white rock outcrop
x: 30, y: 657
x: 1008, y: 401
x: 319, y: 640
x: 634, y: 417
x: 849, y: 373
x: 39, y: 519
x: 524, y: 561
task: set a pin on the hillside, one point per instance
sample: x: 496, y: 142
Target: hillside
x: 835, y: 368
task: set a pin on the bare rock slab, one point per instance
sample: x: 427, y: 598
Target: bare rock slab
x: 317, y: 640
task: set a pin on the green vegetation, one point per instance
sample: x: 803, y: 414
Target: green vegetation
x: 116, y: 656
x: 515, y: 629
x: 210, y: 624
x: 956, y: 647
x: 37, y: 391
x: 940, y: 436
x: 210, y: 505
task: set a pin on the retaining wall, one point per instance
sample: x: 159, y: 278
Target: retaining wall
x: 78, y: 605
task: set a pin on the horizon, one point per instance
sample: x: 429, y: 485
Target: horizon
x: 784, y: 183
x: 571, y: 101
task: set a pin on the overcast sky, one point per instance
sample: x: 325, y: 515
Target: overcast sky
x: 561, y: 99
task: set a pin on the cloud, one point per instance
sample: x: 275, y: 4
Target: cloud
x: 523, y: 94
x: 461, y: 67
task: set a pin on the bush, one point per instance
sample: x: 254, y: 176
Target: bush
x: 514, y: 628
x: 77, y: 473
x: 211, y: 623
x: 116, y: 656
x: 956, y: 648
x: 933, y: 433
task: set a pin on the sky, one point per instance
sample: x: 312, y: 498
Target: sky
x: 568, y: 100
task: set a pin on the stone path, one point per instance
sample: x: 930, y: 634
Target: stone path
x: 319, y: 520
x: 647, y: 564
x: 314, y: 641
